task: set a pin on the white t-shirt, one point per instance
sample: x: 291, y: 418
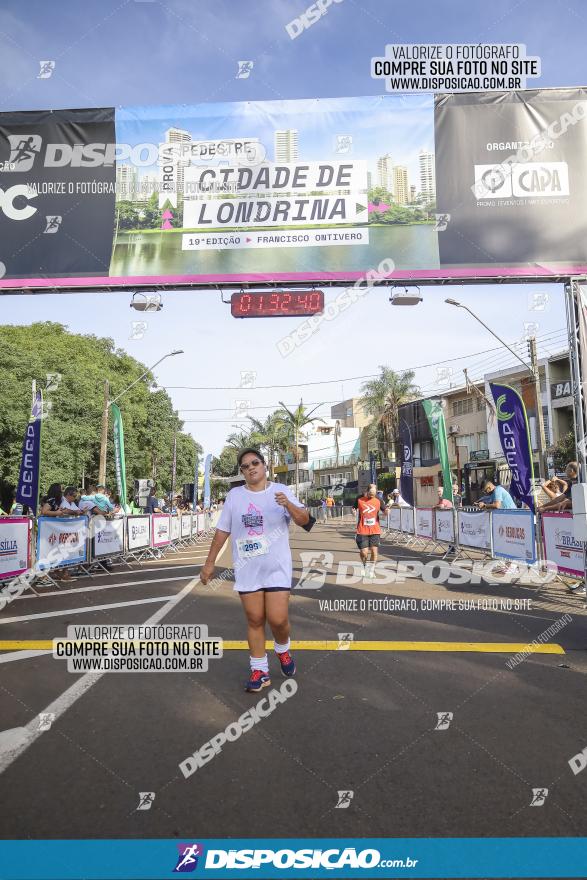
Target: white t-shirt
x: 69, y: 505
x: 259, y: 531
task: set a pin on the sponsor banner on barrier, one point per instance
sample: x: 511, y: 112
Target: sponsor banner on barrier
x: 175, y: 528
x: 445, y: 526
x: 513, y: 534
x: 67, y: 535
x: 474, y: 529
x: 394, y: 519
x: 195, y: 524
x: 424, y: 522
x: 108, y: 538
x: 201, y: 522
x: 186, y: 525
x: 14, y: 545
x: 138, y: 532
x: 161, y: 530
x: 407, y: 519
x: 559, y: 544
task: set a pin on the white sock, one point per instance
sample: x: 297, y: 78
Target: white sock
x: 279, y: 649
x: 261, y: 663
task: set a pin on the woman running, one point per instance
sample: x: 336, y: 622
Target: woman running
x: 257, y: 518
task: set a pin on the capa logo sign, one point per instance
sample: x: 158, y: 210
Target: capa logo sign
x: 526, y: 180
x: 12, y: 205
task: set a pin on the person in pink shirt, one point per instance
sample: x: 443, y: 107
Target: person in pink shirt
x: 443, y: 503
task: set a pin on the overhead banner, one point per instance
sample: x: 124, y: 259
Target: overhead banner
x: 514, y: 436
x: 467, y: 185
x: 407, y: 467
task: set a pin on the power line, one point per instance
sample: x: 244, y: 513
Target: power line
x: 346, y: 379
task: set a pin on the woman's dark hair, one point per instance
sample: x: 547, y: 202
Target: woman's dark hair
x: 249, y: 451
x: 54, y: 491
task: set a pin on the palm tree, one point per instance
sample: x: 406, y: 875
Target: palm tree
x: 295, y: 421
x: 271, y: 435
x: 240, y: 439
x: 382, y: 397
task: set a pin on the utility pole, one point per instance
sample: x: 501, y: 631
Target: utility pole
x: 542, y: 458
x: 104, y: 440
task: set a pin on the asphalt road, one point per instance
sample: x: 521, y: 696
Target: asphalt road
x: 362, y: 721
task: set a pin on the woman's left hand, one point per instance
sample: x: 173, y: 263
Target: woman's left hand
x: 282, y: 499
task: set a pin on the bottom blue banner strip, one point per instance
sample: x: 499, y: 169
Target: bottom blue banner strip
x: 292, y: 857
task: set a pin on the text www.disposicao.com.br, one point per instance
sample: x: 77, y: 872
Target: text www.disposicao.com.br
x: 135, y: 664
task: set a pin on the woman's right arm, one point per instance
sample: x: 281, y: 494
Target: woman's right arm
x: 218, y: 542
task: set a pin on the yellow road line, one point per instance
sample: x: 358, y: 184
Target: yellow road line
x: 467, y: 647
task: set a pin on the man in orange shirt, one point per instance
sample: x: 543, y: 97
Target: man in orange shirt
x: 368, y: 529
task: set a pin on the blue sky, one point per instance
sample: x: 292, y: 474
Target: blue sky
x: 187, y: 51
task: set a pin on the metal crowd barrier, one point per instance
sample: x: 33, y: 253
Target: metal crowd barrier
x: 507, y: 534
x: 32, y: 549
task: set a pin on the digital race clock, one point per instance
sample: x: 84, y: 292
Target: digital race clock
x: 277, y: 304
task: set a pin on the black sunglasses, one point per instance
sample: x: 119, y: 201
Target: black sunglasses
x: 245, y: 467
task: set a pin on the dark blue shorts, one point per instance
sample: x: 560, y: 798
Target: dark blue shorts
x: 265, y: 590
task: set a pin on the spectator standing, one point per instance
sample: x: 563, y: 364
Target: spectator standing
x: 443, y: 503
x: 153, y: 502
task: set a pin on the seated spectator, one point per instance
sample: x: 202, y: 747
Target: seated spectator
x: 118, y: 511
x: 564, y: 501
x: 443, y: 503
x: 51, y: 502
x: 397, y: 500
x: 555, y: 488
x: 87, y: 502
x: 68, y: 502
x: 496, y: 498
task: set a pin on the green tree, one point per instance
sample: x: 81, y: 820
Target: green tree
x: 71, y: 432
x: 271, y: 436
x: 294, y: 422
x: 381, y: 398
x: 564, y: 451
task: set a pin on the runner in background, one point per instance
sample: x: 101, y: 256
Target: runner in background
x: 329, y: 505
x: 257, y: 516
x: 368, y: 536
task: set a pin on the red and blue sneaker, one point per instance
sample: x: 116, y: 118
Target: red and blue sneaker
x: 288, y: 664
x: 258, y: 680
